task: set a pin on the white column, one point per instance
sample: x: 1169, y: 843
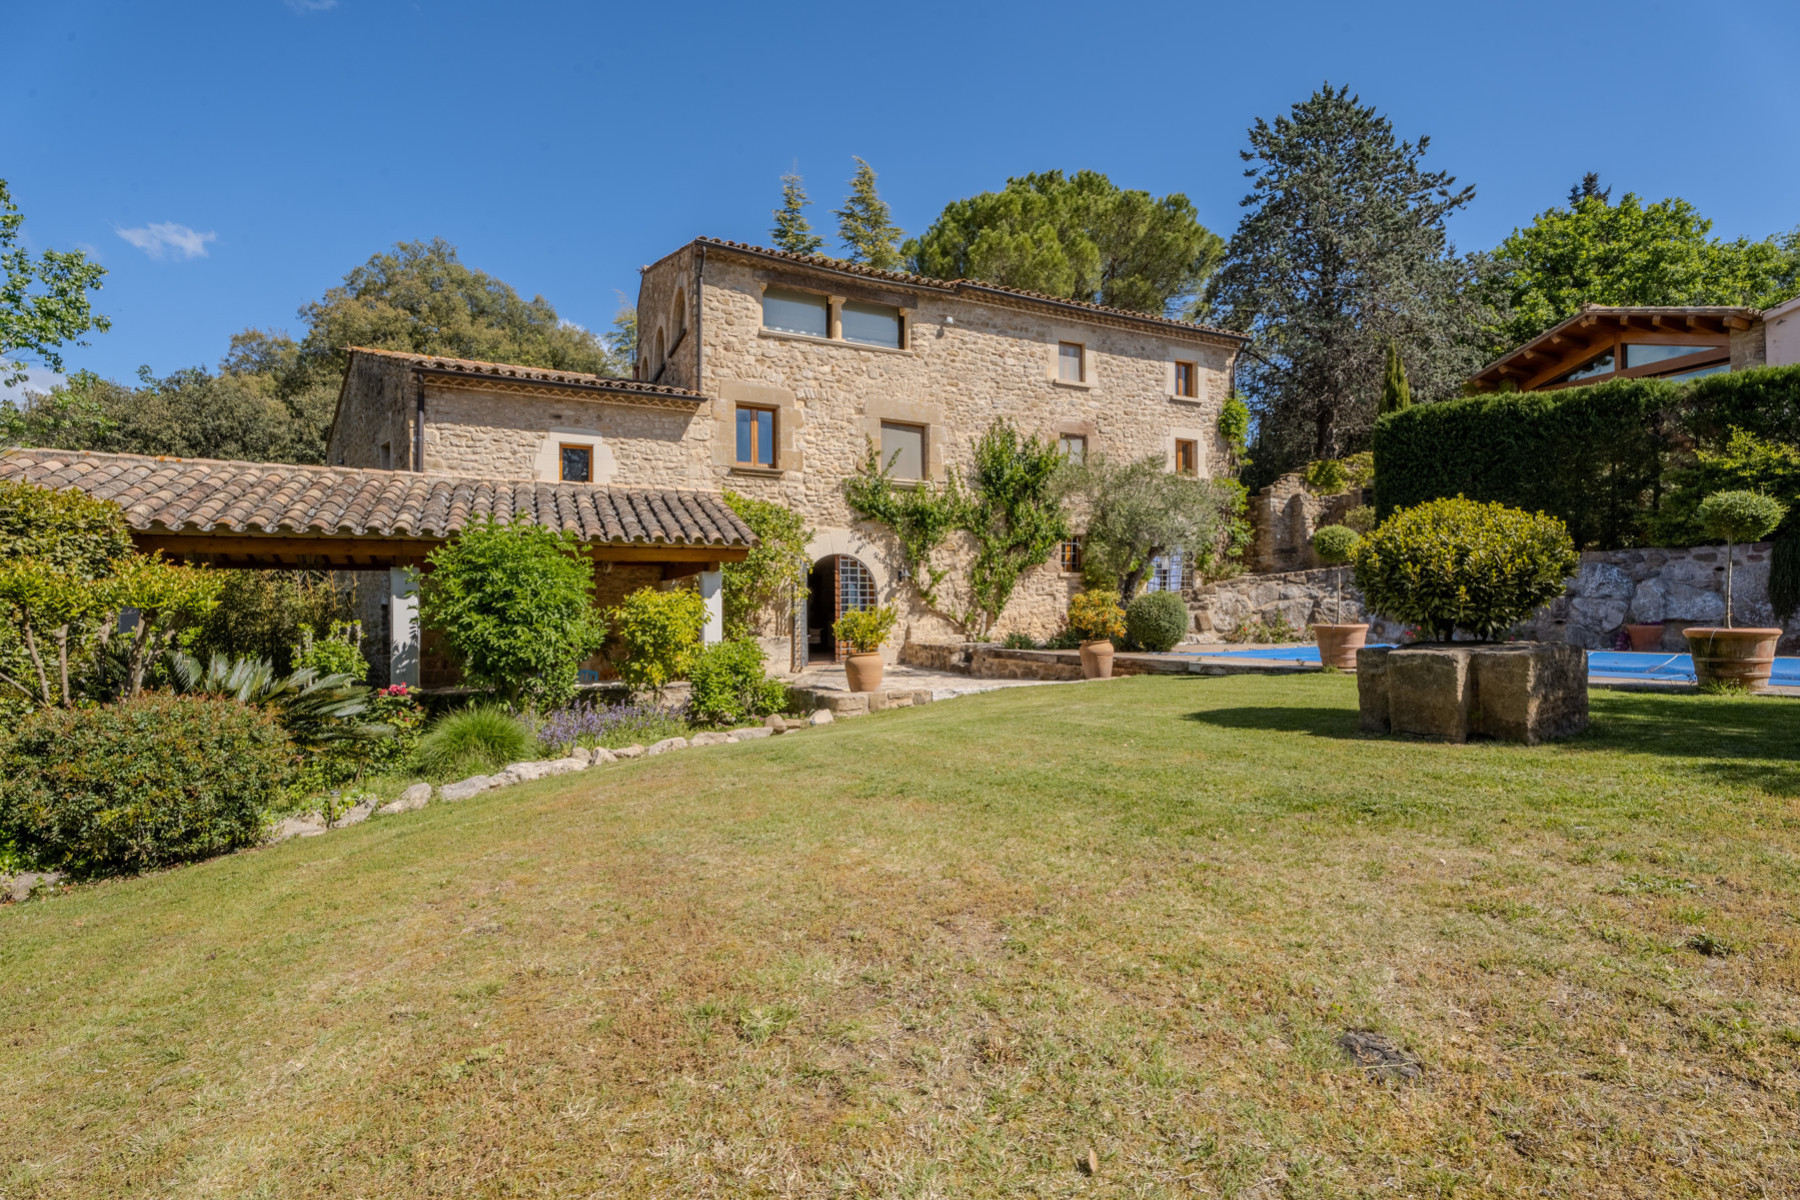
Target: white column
x: 403, y: 627
x: 712, y: 590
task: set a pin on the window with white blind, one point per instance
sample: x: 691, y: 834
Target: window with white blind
x: 789, y: 311
x: 870, y: 324
x: 903, y: 449
x: 1071, y: 362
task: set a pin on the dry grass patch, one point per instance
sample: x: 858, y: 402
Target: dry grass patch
x: 954, y: 951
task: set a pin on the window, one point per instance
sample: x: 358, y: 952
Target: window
x: 1071, y: 554
x: 1073, y: 446
x: 577, y: 464
x: 387, y: 456
x: 1643, y: 356
x: 678, y: 316
x: 1184, y: 379
x: 796, y: 312
x: 1598, y: 365
x: 1697, y: 372
x: 869, y: 324
x: 1168, y: 572
x: 856, y: 587
x: 1187, y: 457
x: 756, y: 436
x: 903, y: 450
x: 1071, y: 362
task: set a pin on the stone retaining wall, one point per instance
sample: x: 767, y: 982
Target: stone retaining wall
x: 1301, y: 598
x: 1283, y: 518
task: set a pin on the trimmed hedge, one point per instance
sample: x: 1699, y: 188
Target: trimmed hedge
x: 1157, y: 620
x: 1593, y: 456
x: 156, y: 780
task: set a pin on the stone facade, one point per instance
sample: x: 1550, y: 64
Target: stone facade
x: 1301, y: 598
x: 1283, y: 518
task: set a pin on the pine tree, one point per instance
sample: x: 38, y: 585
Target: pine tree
x: 865, y: 227
x: 1589, y: 189
x: 1395, y: 394
x: 792, y: 231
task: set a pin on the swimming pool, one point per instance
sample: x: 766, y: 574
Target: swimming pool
x: 1606, y: 664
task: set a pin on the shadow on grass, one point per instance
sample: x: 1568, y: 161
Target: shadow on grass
x: 1741, y: 742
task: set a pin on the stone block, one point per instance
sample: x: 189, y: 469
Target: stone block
x: 413, y: 798
x: 631, y: 751
x: 18, y: 888
x: 598, y: 756
x: 711, y: 737
x: 474, y: 785
x: 666, y: 745
x: 1371, y: 686
x: 755, y: 731
x: 1521, y: 691
x: 845, y: 704
x: 305, y: 825
x: 822, y: 717
x: 1428, y: 691
x: 1529, y: 692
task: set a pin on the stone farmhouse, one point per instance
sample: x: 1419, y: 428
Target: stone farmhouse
x: 770, y: 373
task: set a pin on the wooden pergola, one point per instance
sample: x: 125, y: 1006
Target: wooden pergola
x: 1600, y: 342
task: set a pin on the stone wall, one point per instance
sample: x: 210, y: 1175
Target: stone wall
x: 1677, y: 587
x: 375, y: 409
x: 1301, y: 598
x: 1283, y: 519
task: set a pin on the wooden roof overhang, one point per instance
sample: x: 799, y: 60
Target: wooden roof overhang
x: 1596, y: 329
x: 278, y: 515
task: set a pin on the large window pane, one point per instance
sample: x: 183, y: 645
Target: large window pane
x: 1715, y: 369
x: 870, y: 324
x: 1601, y: 365
x: 796, y: 312
x: 756, y: 436
x: 904, y: 447
x: 1068, y: 362
x: 1637, y: 355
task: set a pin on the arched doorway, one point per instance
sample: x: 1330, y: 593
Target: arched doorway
x: 837, y: 584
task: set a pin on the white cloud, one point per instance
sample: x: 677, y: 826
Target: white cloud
x: 310, y: 6
x: 163, y: 239
x: 37, y: 379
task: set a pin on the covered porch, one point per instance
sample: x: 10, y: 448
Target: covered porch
x: 278, y: 516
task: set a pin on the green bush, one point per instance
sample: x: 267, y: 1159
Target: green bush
x: 730, y: 684
x: 1591, y: 456
x: 473, y: 740
x: 659, y: 631
x: 1764, y: 402
x: 1335, y: 544
x: 514, y: 602
x: 67, y: 529
x: 1784, y: 573
x: 1360, y: 519
x: 865, y: 630
x: 1063, y: 639
x: 152, y: 781
x: 776, y: 566
x: 337, y: 653
x: 1327, y: 476
x: 1157, y: 621
x: 1095, y: 615
x: 1458, y: 564
x: 1745, y: 463
x: 266, y: 614
x: 1018, y: 641
x: 1740, y: 516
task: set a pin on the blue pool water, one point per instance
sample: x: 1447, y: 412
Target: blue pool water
x: 1610, y: 664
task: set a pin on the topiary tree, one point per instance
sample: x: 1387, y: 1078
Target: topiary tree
x: 1458, y: 564
x: 1336, y: 545
x: 1157, y: 621
x: 1738, y: 517
x: 514, y: 602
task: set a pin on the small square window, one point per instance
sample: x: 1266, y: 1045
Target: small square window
x: 903, y: 450
x: 756, y: 436
x: 1071, y: 362
x: 1073, y: 446
x: 1185, y: 379
x: 577, y: 464
x: 1187, y: 457
x: 1071, y: 554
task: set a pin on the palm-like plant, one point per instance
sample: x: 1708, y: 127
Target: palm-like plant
x: 315, y: 710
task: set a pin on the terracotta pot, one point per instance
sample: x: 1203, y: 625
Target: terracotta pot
x: 1096, y: 659
x: 863, y: 671
x: 1338, y: 644
x: 1722, y: 655
x: 1645, y: 638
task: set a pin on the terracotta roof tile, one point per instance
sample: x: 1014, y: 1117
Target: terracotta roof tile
x: 475, y: 370
x: 199, y: 495
x: 966, y: 286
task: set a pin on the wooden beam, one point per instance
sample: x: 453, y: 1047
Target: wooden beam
x: 301, y: 552
x: 1738, y: 323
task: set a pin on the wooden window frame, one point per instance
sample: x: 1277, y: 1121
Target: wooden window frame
x: 774, y: 435
x: 563, y: 448
x: 1192, y: 448
x: 1192, y: 383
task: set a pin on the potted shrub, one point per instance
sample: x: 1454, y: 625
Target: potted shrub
x: 1338, y: 643
x: 1095, y: 617
x: 1734, y: 657
x: 864, y: 631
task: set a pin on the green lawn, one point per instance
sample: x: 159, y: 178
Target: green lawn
x: 949, y: 951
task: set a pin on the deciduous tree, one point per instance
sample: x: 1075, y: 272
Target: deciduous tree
x: 43, y: 298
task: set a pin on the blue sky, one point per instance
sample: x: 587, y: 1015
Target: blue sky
x: 229, y: 161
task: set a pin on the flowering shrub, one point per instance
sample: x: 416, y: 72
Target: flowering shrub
x: 611, y: 725
x: 398, y: 707
x: 1096, y: 615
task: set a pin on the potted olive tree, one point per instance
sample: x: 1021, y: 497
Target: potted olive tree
x: 1338, y: 643
x: 1731, y: 656
x: 865, y: 631
x: 1095, y: 617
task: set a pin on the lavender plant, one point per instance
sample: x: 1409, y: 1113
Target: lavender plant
x: 610, y: 725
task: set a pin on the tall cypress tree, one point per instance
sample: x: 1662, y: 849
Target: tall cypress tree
x: 793, y: 232
x: 1395, y: 394
x: 865, y: 227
